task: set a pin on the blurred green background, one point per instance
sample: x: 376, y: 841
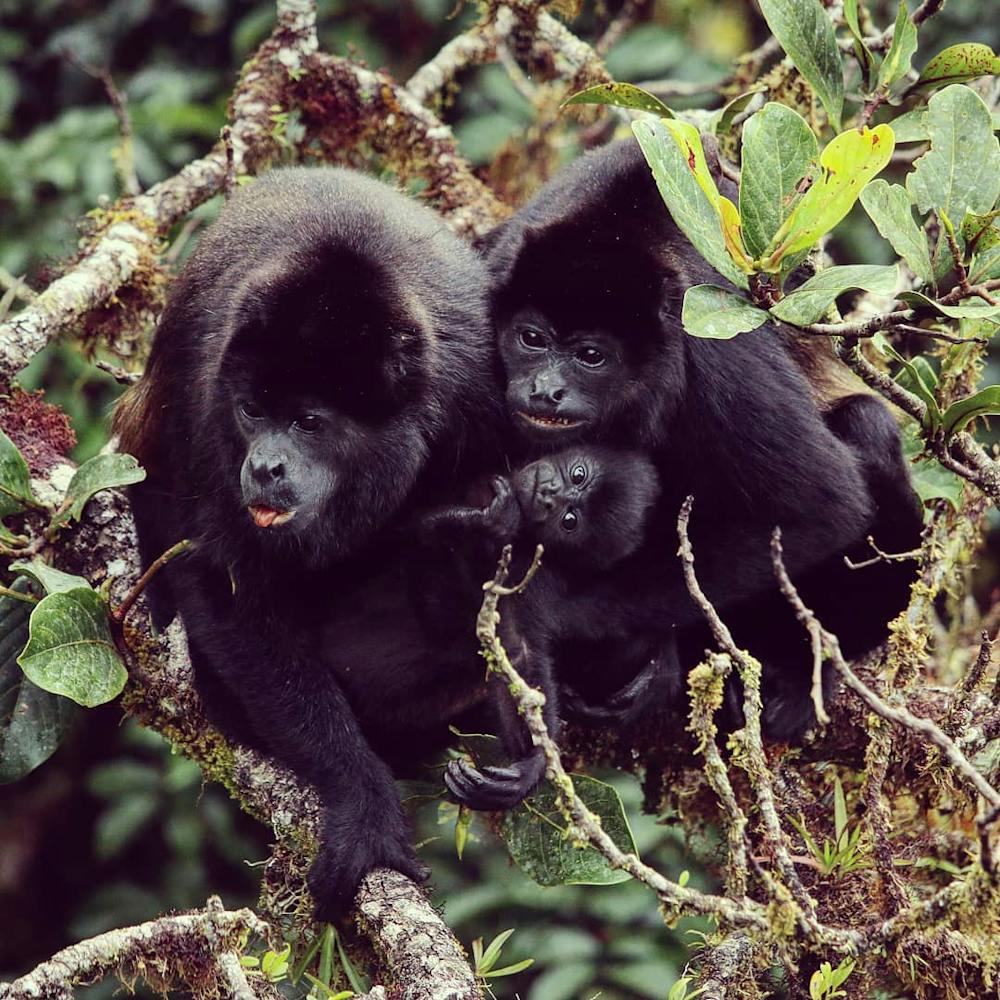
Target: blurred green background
x: 114, y: 829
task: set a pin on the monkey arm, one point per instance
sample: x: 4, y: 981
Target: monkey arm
x: 297, y: 711
x: 490, y: 788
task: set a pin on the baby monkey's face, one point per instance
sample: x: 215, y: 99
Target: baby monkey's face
x: 592, y: 503
x: 553, y: 492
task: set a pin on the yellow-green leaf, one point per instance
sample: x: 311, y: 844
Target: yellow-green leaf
x: 848, y: 163
x: 904, y: 44
x: 959, y: 62
x: 692, y: 202
x: 621, y: 95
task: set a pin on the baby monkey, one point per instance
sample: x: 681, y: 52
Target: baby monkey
x: 589, y: 507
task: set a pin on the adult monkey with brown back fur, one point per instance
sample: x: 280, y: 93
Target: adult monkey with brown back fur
x: 324, y: 366
x: 587, y: 285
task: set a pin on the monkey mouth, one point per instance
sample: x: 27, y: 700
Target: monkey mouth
x: 548, y: 423
x: 268, y: 517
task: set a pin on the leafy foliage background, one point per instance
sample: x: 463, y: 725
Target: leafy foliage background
x: 114, y: 829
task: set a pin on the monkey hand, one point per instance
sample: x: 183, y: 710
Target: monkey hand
x: 354, y: 843
x: 503, y: 514
x: 621, y: 707
x: 494, y: 787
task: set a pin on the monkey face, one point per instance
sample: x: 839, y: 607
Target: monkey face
x: 589, y: 505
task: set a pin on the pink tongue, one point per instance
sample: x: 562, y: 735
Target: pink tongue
x: 263, y: 516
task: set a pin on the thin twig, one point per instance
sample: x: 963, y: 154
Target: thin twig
x: 881, y: 556
x: 706, y: 684
x: 584, y: 825
x: 119, y: 374
x: 123, y: 156
x: 119, y: 614
x: 619, y: 26
x: 18, y: 596
x: 949, y: 338
x: 897, y: 714
x: 17, y: 283
x: 756, y: 762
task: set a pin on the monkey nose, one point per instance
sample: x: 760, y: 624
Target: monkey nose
x: 267, y: 471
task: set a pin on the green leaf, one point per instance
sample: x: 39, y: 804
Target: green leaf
x: 328, y: 993
x: 904, y: 44
x: 931, y: 480
x: 969, y: 309
x: 981, y: 232
x: 70, y: 650
x: 985, y: 403
x: 535, y: 835
x: 621, y: 95
x: 889, y: 207
x: 121, y: 822
x: 926, y: 379
x: 779, y: 150
x: 811, y: 300
x: 102, y: 472
x: 510, y: 970
x: 462, y: 824
x: 32, y: 721
x: 865, y: 58
x: 839, y: 810
x: 325, y: 965
x: 717, y: 314
x: 957, y: 63
x: 919, y: 384
x: 806, y: 33
x: 911, y: 127
x: 961, y: 171
x: 52, y: 580
x: 692, y: 209
x: 15, y: 484
x: 493, y: 949
x: 359, y: 982
x: 722, y: 120
x: 849, y: 162
x: 985, y: 266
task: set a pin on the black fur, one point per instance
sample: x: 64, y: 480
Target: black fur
x: 587, y: 285
x: 326, y: 350
x: 589, y: 507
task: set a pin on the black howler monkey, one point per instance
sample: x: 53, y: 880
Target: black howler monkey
x: 589, y: 506
x: 323, y: 367
x: 587, y: 284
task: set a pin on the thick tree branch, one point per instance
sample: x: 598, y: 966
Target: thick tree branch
x: 421, y: 955
x: 342, y: 103
x: 186, y: 948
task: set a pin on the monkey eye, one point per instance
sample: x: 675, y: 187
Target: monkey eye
x: 308, y: 422
x: 570, y: 521
x: 531, y: 338
x: 251, y: 412
x: 577, y: 475
x: 591, y: 357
